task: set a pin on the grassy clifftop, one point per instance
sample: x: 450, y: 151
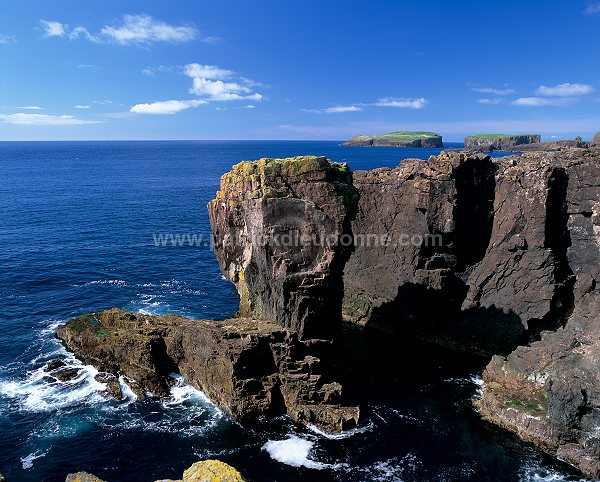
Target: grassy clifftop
x: 398, y: 139
x: 407, y: 136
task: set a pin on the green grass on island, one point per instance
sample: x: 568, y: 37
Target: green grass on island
x: 405, y: 136
x: 496, y: 136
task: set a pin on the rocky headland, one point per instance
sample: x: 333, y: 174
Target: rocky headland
x: 398, y: 139
x: 500, y: 142
x: 499, y: 257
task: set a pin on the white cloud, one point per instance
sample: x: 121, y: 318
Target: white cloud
x: 44, y: 120
x: 7, y: 39
x: 544, y: 101
x: 402, y: 103
x: 491, y: 90
x: 249, y: 106
x: 166, y: 107
x: 335, y: 110
x: 53, y: 29
x: 86, y: 66
x: 211, y: 40
x: 82, y: 32
x: 490, y: 101
x: 143, y: 29
x: 593, y: 8
x: 82, y: 106
x: 132, y: 30
x: 564, y: 90
x: 207, y: 71
x: 30, y: 107
x: 207, y: 82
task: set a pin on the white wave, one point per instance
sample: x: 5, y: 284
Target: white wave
x: 40, y: 392
x: 128, y: 395
x: 27, y: 462
x: 478, y: 382
x: 114, y: 282
x: 293, y: 451
x: 536, y: 473
x: 367, y: 427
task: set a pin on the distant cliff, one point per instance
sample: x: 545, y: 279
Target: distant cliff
x: 596, y: 138
x: 499, y: 142
x: 398, y: 139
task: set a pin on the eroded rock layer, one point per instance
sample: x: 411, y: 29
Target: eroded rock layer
x: 246, y: 366
x: 276, y: 225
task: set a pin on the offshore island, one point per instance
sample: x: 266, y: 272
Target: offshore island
x: 398, y: 139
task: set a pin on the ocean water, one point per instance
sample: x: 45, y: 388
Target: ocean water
x: 77, y: 234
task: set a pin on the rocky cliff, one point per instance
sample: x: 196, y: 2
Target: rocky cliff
x: 499, y: 142
x: 596, y: 138
x: 499, y: 257
x: 276, y: 225
x: 398, y: 139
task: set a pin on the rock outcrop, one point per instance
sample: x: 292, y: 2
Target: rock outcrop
x: 596, y: 138
x: 551, y: 146
x: 499, y: 142
x: 398, y: 139
x: 499, y: 256
x: 548, y: 391
x: 276, y: 225
x: 82, y: 477
x: 203, y: 471
x: 246, y: 366
x: 212, y: 471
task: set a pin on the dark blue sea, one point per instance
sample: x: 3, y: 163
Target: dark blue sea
x: 77, y: 227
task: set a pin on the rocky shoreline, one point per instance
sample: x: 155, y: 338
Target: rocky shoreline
x: 495, y: 256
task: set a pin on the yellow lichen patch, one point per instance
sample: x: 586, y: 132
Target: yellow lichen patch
x: 82, y: 477
x: 212, y: 471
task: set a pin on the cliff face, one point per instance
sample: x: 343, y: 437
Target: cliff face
x: 514, y: 269
x: 597, y: 139
x: 488, y: 143
x: 276, y: 225
x: 549, y: 390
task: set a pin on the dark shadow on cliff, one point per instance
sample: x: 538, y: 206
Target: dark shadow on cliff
x: 422, y: 313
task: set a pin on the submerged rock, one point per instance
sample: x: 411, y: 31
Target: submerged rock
x: 82, y: 477
x: 212, y: 471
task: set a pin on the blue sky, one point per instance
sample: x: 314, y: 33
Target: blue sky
x: 297, y: 70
